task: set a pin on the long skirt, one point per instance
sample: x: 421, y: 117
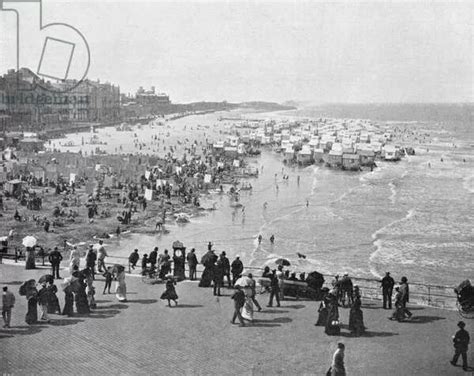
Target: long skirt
x: 206, y: 278
x: 247, y: 309
x: 333, y: 326
x: 68, y: 304
x: 356, y: 321
x: 121, y: 291
x: 323, y: 317
x: 32, y: 313
x: 82, y: 304
x: 53, y: 304
x: 170, y: 293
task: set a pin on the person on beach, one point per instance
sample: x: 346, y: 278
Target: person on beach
x: 144, y: 264
x: 90, y: 290
x: 356, y: 317
x: 323, y: 308
x: 404, y: 289
x: 253, y: 292
x: 461, y: 343
x: 53, y: 301
x: 153, y: 257
x: 337, y: 366
x: 333, y: 326
x: 387, y: 284
x: 8, y: 302
x: 226, y: 267
x: 239, y: 300
x: 91, y: 257
x: 43, y: 298
x: 398, y: 312
x: 208, y: 260
x: 108, y: 279
x: 274, y: 289
x: 80, y: 297
x: 74, y: 259
x: 272, y: 239
x: 260, y: 237
x: 281, y: 277
x: 133, y: 259
x: 236, y: 268
x: 192, y: 263
x: 120, y: 286
x: 28, y: 289
x: 164, y: 264
x: 101, y: 255
x: 55, y: 259
x: 218, y: 277
x: 346, y: 290
x: 170, y: 293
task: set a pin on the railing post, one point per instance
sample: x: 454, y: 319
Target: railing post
x: 429, y: 295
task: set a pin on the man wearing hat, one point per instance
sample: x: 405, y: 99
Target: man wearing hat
x: 387, y: 290
x: 461, y: 342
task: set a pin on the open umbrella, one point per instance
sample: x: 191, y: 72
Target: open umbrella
x: 243, y: 282
x: 46, y: 278
x: 282, y: 261
x: 29, y: 241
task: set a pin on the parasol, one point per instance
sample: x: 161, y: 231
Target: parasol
x: 47, y: 278
x: 29, y: 241
x: 244, y: 282
x: 282, y: 261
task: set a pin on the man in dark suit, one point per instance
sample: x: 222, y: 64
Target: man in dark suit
x: 387, y: 290
x: 55, y: 259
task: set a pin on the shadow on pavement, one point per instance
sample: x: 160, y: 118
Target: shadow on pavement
x: 423, y: 319
x: 103, y: 301
x: 21, y: 330
x: 114, y: 306
x: 277, y: 321
x: 64, y: 322
x: 143, y: 301
x: 273, y: 311
x: 294, y: 306
x: 104, y: 314
x: 188, y: 306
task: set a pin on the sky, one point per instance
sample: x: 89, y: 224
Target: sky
x: 321, y: 52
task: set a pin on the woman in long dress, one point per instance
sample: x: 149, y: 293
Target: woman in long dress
x: 356, y: 318
x: 170, y: 292
x: 247, y: 309
x: 332, y: 324
x: 74, y: 259
x: 28, y: 289
x: 53, y: 302
x: 120, y: 286
x: 323, y: 308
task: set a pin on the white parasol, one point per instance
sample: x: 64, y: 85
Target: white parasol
x: 29, y: 241
x: 244, y: 282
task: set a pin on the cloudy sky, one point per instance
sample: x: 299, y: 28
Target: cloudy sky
x: 260, y: 50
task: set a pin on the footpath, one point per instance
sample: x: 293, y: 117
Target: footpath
x: 145, y: 337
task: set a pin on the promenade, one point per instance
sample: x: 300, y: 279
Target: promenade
x: 145, y: 337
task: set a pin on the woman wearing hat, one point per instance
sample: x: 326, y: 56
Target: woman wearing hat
x: 461, y: 343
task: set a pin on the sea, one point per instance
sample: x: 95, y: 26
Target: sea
x: 414, y: 217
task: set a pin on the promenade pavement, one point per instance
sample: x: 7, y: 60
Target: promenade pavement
x: 145, y: 337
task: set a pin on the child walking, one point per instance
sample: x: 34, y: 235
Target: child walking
x: 170, y: 292
x: 108, y: 279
